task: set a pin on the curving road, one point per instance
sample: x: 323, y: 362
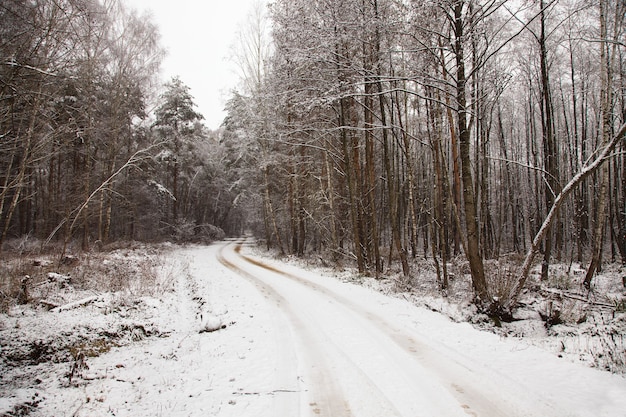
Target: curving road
x: 295, y: 343
x: 339, y: 356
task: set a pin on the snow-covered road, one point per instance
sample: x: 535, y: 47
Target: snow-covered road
x: 296, y: 343
x: 348, y: 351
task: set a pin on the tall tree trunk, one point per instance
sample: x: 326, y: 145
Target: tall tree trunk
x: 550, y: 156
x: 439, y: 216
x: 8, y: 185
x: 454, y: 146
x: 469, y: 199
x: 585, y: 172
x: 511, y: 203
x: 372, y: 212
x: 330, y: 191
x: 392, y: 191
x: 292, y: 201
x: 488, y: 244
x: 576, y: 160
x: 369, y: 183
x: 269, y: 207
x: 353, y: 200
x: 409, y: 163
x: 605, y: 104
x: 300, y: 199
x: 391, y: 179
x: 583, y: 231
x: 21, y: 174
x: 622, y: 214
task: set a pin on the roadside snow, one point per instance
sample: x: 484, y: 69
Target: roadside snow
x: 587, y: 328
x: 176, y: 369
x: 207, y: 340
x: 532, y: 378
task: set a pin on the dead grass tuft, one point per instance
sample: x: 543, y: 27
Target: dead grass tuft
x: 26, y: 278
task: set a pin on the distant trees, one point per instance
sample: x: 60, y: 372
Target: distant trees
x: 430, y: 127
x: 79, y: 159
x: 253, y: 115
x: 178, y: 124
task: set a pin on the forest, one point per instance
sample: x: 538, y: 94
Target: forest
x: 94, y: 149
x: 366, y: 132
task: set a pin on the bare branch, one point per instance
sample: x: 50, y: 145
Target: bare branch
x: 558, y: 202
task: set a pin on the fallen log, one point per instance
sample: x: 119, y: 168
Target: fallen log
x: 76, y: 304
x: 576, y: 297
x: 49, y: 305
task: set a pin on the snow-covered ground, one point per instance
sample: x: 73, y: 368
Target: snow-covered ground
x: 224, y: 332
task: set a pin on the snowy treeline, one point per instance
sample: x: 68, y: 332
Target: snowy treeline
x: 92, y: 147
x: 369, y: 131
x: 386, y: 129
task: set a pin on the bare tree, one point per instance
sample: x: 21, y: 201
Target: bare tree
x: 608, y: 44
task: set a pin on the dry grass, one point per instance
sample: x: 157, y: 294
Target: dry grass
x: 501, y: 278
x: 25, y: 276
x: 14, y: 273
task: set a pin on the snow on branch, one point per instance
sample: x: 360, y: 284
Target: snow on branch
x: 76, y: 304
x: 39, y: 70
x: 161, y: 189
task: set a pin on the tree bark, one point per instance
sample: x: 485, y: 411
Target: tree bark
x: 469, y: 199
x: 550, y: 155
x: 605, y: 108
x: 439, y: 215
x: 270, y: 211
x: 21, y: 174
x: 330, y: 191
x: 391, y: 180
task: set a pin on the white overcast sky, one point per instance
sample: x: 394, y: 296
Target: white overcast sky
x: 198, y: 35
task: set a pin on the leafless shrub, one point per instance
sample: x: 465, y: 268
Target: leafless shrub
x: 77, y: 367
x: 463, y: 266
x: 515, y: 258
x: 122, y: 270
x: 619, y: 303
x: 209, y: 232
x: 561, y: 281
x: 119, y: 245
x: 501, y: 277
x: 184, y: 230
x: 551, y: 313
x: 8, y: 294
x: 613, y: 358
x: 601, y: 342
x: 17, y: 275
x: 165, y: 279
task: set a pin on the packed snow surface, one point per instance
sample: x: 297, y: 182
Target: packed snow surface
x: 233, y: 334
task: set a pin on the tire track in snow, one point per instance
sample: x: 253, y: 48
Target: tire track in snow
x: 324, y: 396
x: 465, y: 384
x: 374, y: 381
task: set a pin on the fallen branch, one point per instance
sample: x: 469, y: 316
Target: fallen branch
x: 575, y: 297
x: 76, y: 304
x: 558, y: 202
x: 49, y: 305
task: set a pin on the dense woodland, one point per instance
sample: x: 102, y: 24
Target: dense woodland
x: 93, y: 148
x: 367, y: 131
x: 389, y: 130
